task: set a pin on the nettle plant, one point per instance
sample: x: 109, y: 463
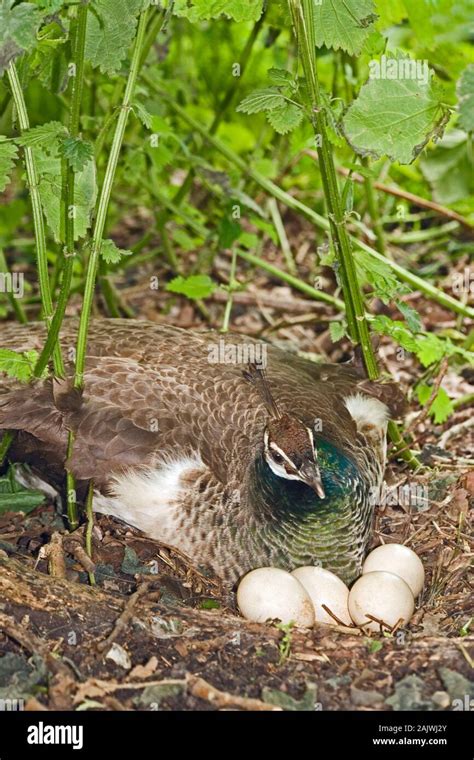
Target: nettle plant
x: 94, y: 101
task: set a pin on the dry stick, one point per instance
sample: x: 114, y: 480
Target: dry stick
x: 399, y: 193
x: 198, y: 687
x: 124, y: 616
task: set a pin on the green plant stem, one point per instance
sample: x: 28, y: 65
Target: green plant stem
x: 38, y: 219
x: 374, y: 211
x: 281, y: 232
x: 419, y: 236
x: 463, y: 401
x: 15, y: 303
x: 230, y: 298
x: 103, y: 203
x: 303, y: 22
x: 68, y: 195
x: 321, y: 222
x: 317, y: 295
x: 5, y: 443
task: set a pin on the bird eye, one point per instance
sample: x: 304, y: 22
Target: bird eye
x: 277, y: 457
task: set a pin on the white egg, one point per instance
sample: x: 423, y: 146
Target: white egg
x: 382, y: 595
x: 268, y: 593
x: 324, y: 587
x: 400, y: 560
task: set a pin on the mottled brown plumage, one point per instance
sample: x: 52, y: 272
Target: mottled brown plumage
x: 153, y: 395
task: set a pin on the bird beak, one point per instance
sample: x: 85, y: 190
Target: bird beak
x: 310, y: 475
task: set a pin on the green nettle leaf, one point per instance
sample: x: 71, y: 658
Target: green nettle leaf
x: 411, y: 315
x: 285, y: 119
x: 430, y: 349
x: 200, y: 10
x: 262, y: 100
x: 50, y: 187
x: 280, y: 77
x: 111, y: 253
x: 45, y: 135
x: 110, y: 31
x: 194, y: 287
x: 337, y: 330
x: 344, y: 25
x: 18, y: 365
x: 442, y: 405
x: 8, y: 154
x: 229, y: 232
x: 141, y: 113
x: 15, y: 498
x: 466, y: 99
x: 76, y: 152
x: 18, y: 27
x: 397, y: 112
x: 449, y: 167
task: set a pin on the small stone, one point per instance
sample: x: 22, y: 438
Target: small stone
x: 441, y: 699
x: 118, y: 655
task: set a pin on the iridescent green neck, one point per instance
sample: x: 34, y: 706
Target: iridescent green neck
x: 291, y: 497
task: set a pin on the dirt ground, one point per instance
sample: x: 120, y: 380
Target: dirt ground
x: 156, y: 633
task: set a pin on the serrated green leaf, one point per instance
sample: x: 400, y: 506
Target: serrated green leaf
x: 337, y: 330
x: 261, y: 100
x: 285, y: 119
x: 395, y: 117
x: 449, y: 168
x: 442, y: 406
x: 8, y: 154
x: 142, y: 114
x: 411, y: 315
x: 200, y: 10
x: 45, y: 135
x: 111, y: 253
x: 50, y: 187
x: 77, y: 152
x: 18, y: 27
x: 430, y: 349
x: 344, y: 25
x: 18, y: 365
x: 280, y: 77
x: 110, y: 32
x: 194, y: 287
x: 466, y: 99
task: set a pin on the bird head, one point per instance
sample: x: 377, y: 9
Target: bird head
x: 290, y: 452
x: 288, y: 444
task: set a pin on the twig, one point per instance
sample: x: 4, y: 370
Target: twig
x: 124, y: 617
x: 454, y: 431
x: 32, y: 644
x: 198, y: 687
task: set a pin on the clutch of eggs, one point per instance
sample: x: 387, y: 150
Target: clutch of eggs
x: 392, y: 576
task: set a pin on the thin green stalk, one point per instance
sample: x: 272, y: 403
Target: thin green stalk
x: 419, y: 236
x: 281, y: 232
x: 303, y: 22
x: 374, y: 211
x: 230, y: 292
x: 466, y: 400
x: 15, y: 303
x: 38, y: 219
x: 417, y: 283
x: 317, y: 295
x: 103, y: 203
x: 5, y: 443
x: 69, y: 252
